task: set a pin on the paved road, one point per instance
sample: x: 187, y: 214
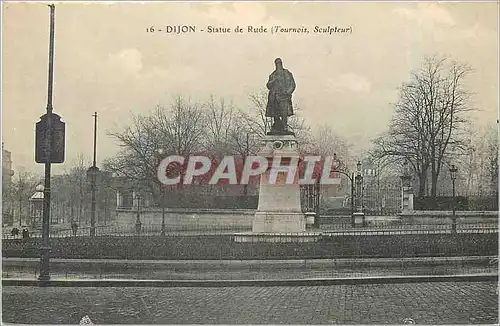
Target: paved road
x: 426, y: 303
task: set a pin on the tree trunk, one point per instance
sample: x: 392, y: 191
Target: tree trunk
x: 20, y: 210
x: 434, y: 181
x: 421, y: 185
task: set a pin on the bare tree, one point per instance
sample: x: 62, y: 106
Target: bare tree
x: 257, y: 120
x: 426, y: 128
x: 243, y: 140
x: 70, y: 190
x: 491, y: 139
x: 220, y: 118
x: 23, y: 187
x: 178, y: 130
x: 325, y: 142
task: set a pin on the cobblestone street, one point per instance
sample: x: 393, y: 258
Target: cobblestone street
x: 426, y: 303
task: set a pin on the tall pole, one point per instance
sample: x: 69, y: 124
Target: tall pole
x: 454, y: 219
x: 95, y: 138
x: 353, y: 221
x: 45, y: 249
x: 317, y: 201
x: 138, y: 216
x: 453, y: 171
x: 163, y: 213
x: 93, y: 181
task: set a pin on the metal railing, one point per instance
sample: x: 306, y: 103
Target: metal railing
x: 130, y: 230
x: 339, y: 228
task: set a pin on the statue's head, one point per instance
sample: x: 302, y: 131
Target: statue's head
x: 278, y: 63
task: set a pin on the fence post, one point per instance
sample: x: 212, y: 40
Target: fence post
x: 406, y: 190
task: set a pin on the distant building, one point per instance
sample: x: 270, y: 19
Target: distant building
x: 7, y: 173
x: 71, y: 198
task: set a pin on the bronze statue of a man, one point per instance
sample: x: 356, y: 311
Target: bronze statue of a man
x: 279, y: 102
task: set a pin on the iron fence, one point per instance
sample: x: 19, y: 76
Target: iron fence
x: 132, y: 230
x: 341, y: 226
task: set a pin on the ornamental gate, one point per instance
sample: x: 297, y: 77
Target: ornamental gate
x: 382, y: 197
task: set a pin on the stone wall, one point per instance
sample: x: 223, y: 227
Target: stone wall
x: 441, y: 217
x: 187, y: 217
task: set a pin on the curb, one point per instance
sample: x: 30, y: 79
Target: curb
x: 260, y: 283
x: 246, y: 262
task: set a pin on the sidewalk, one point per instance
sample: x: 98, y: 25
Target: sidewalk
x: 268, y: 262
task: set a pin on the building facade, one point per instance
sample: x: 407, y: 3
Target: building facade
x: 7, y: 174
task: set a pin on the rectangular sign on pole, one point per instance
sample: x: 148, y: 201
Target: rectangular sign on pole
x: 58, y: 143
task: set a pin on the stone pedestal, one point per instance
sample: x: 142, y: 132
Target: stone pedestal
x: 310, y: 219
x: 406, y: 195
x: 359, y: 218
x: 279, y: 209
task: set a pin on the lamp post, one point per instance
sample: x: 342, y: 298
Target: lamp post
x: 45, y: 249
x: 138, y: 215
x: 317, y: 195
x: 335, y: 169
x: 163, y: 191
x: 92, y: 173
x: 406, y: 189
x: 359, y: 194
x: 453, y: 172
x: 163, y: 212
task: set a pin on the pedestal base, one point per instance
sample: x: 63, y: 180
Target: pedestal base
x: 277, y: 237
x: 359, y: 218
x: 310, y: 219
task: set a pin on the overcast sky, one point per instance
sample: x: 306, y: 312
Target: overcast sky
x: 105, y: 61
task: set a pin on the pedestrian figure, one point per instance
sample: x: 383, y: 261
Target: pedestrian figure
x: 26, y: 233
x: 14, y: 232
x: 74, y: 228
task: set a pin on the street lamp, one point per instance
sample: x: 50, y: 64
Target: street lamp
x: 163, y: 191
x: 49, y: 149
x: 359, y: 193
x: 312, y: 195
x: 138, y: 215
x: 163, y: 212
x: 92, y: 174
x: 406, y: 189
x: 453, y: 173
